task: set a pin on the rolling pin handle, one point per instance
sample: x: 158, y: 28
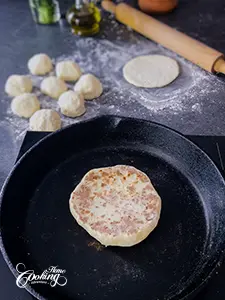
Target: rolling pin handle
x: 219, y: 66
x: 109, y: 6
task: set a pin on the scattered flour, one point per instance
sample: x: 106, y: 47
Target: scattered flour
x: 122, y: 270
x: 188, y: 93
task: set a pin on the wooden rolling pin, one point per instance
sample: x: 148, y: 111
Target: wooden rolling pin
x: 205, y: 57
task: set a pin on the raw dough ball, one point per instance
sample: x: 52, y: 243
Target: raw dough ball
x: 53, y: 86
x: 40, y: 64
x: 89, y: 86
x: 25, y: 105
x: 68, y: 70
x: 72, y: 104
x: 45, y: 120
x: 151, y: 71
x: 17, y: 85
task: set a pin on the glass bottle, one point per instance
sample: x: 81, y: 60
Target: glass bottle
x: 45, y: 11
x: 84, y: 18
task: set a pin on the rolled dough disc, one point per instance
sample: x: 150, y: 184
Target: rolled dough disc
x: 151, y: 71
x: 116, y: 205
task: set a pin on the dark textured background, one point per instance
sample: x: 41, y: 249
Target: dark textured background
x: 20, y: 38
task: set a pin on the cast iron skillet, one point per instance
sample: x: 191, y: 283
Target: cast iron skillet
x: 38, y: 230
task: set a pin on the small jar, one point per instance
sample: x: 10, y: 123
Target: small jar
x: 45, y: 11
x: 157, y: 6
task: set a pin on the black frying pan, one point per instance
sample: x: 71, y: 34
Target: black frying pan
x: 38, y: 230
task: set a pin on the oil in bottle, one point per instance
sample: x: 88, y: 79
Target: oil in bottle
x: 84, y: 18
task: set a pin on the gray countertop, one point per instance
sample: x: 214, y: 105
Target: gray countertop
x: 193, y: 104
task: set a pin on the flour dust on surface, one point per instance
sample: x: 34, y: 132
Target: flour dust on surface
x: 105, y: 59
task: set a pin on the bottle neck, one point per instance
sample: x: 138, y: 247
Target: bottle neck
x: 81, y: 3
x: 78, y: 4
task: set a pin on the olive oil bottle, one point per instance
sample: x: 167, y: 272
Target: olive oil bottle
x: 84, y: 18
